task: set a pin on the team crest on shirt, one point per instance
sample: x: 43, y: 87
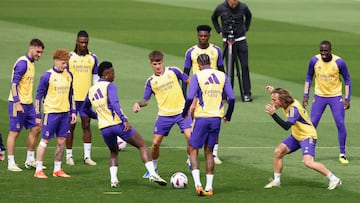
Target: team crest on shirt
x: 47, y: 134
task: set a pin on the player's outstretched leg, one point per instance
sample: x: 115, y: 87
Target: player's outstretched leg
x: 137, y: 141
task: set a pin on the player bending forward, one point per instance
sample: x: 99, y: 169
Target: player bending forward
x: 112, y: 122
x: 303, y: 135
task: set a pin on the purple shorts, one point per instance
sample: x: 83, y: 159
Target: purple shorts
x: 20, y: 120
x: 56, y: 123
x: 307, y: 146
x: 205, y: 132
x: 110, y: 133
x: 78, y: 105
x: 163, y: 124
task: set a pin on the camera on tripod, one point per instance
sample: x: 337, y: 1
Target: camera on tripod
x: 230, y: 52
x: 230, y: 28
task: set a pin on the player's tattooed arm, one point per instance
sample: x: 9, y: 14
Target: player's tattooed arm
x: 143, y: 102
x: 137, y: 106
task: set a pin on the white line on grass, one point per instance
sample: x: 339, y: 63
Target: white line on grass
x: 182, y: 147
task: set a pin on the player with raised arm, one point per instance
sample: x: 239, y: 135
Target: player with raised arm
x: 112, y: 122
x: 303, y: 136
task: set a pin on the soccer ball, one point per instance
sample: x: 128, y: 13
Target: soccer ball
x: 121, y: 143
x: 178, y: 180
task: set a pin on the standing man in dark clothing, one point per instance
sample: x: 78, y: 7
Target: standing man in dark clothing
x: 235, y: 19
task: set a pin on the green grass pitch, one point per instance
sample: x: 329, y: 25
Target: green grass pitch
x: 282, y: 38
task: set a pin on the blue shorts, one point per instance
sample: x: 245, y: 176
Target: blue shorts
x: 110, y: 134
x: 163, y: 124
x: 19, y: 120
x: 56, y: 123
x: 307, y: 146
x: 205, y: 132
x: 78, y: 105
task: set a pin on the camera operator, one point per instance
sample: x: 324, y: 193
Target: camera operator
x: 235, y: 20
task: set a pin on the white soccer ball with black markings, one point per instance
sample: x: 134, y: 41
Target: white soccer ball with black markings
x: 121, y: 143
x: 178, y: 180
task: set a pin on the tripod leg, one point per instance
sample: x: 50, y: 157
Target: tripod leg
x: 231, y: 70
x: 238, y: 74
x: 230, y: 62
x: 225, y: 58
